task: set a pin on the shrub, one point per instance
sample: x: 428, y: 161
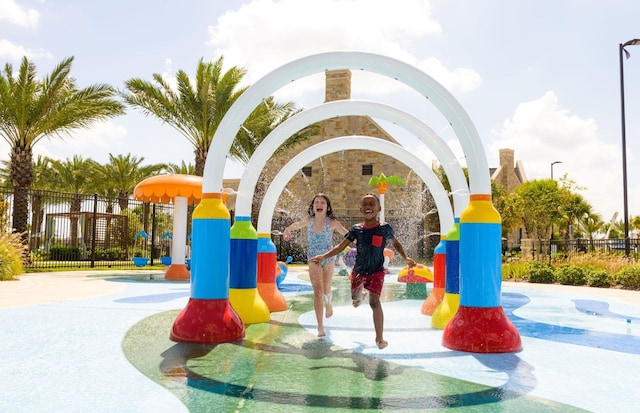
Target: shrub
x: 12, y: 253
x: 539, y: 272
x: 570, y: 275
x: 597, y: 277
x: 628, y: 277
x: 514, y: 271
x: 62, y: 253
x: 111, y: 254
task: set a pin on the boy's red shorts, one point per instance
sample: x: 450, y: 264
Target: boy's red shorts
x: 372, y: 282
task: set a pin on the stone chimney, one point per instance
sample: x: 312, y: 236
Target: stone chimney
x: 507, y: 158
x: 338, y: 85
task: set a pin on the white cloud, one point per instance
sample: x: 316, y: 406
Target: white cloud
x: 16, y: 52
x: 13, y: 13
x: 103, y: 138
x: 265, y: 34
x: 542, y: 131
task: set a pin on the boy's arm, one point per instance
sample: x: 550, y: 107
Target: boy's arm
x: 396, y: 244
x: 333, y: 251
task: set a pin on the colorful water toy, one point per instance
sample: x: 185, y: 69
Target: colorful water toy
x: 350, y: 258
x: 267, y: 268
x: 418, y: 274
x: 281, y: 270
x: 182, y: 190
x: 439, y: 270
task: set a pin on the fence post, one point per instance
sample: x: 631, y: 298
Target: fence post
x: 93, y: 230
x: 153, y: 231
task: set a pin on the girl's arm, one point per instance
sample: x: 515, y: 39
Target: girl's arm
x: 336, y: 225
x: 286, y: 234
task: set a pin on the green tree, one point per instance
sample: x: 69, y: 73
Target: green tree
x: 184, y: 168
x: 195, y: 110
x: 120, y: 176
x: 538, y: 204
x: 33, y: 108
x: 590, y: 224
x: 634, y: 223
x: 261, y: 122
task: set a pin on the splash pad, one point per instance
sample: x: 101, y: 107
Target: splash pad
x: 480, y: 224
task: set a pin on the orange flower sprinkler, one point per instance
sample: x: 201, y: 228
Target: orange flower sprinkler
x: 182, y: 190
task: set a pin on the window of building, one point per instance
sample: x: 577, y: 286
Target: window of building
x: 307, y: 171
x: 367, y: 169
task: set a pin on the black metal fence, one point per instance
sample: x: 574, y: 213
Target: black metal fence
x: 66, y: 230
x: 542, y: 249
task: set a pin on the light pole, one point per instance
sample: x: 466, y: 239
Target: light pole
x: 553, y: 163
x: 551, y: 238
x: 633, y: 42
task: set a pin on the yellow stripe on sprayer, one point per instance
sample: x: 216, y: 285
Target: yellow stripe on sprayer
x: 480, y: 210
x: 211, y: 207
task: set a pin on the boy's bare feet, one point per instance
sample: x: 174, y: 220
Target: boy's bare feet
x: 356, y: 301
x: 321, y: 332
x: 382, y: 344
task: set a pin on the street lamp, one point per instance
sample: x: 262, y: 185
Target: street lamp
x: 553, y: 163
x: 633, y: 42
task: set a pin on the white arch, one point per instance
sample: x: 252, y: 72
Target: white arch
x: 445, y: 102
x: 270, y: 144
x: 355, y: 142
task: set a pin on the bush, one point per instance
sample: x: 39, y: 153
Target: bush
x: 570, y: 275
x: 111, y: 254
x: 515, y: 271
x: 62, y: 253
x: 12, y: 252
x: 597, y: 277
x: 628, y: 277
x: 539, y: 272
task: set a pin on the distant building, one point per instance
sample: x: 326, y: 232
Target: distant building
x: 510, y: 175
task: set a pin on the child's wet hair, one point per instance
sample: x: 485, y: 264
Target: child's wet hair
x: 312, y: 213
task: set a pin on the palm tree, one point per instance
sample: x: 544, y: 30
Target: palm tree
x: 196, y: 109
x: 33, y: 108
x: 74, y: 176
x: 120, y: 176
x: 261, y: 122
x: 184, y: 168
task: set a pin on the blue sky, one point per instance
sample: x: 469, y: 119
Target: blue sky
x: 540, y: 77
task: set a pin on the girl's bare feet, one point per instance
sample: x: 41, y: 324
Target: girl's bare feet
x: 321, y: 332
x: 329, y: 307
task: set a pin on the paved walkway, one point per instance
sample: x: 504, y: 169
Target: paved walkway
x: 85, y: 341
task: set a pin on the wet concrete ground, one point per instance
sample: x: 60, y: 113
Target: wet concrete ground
x: 111, y: 352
